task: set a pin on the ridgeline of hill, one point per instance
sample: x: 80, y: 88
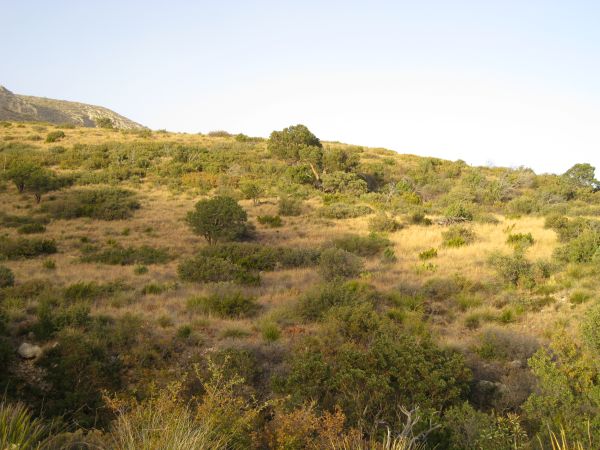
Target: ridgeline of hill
x: 25, y: 108
x: 190, y: 291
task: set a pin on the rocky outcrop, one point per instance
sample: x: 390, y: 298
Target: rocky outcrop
x: 24, y: 108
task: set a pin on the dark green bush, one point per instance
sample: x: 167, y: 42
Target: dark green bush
x: 31, y: 228
x: 25, y: 248
x: 119, y: 255
x: 6, y: 277
x: 226, y: 304
x: 343, y: 211
x: 520, y: 240
x: 362, y: 245
x: 261, y: 257
x: 270, y: 221
x: 315, y: 303
x: 457, y: 236
x: 459, y: 211
x: 419, y: 218
x: 336, y: 263
x: 590, y: 328
x: 208, y: 269
x: 514, y: 269
x: 219, y: 219
x: 581, y: 249
x: 54, y: 136
x: 101, y: 203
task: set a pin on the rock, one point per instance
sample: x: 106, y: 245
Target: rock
x: 29, y: 351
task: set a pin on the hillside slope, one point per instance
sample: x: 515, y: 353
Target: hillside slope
x: 24, y: 108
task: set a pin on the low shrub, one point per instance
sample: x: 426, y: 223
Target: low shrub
x: 25, y: 248
x: 336, y: 263
x: 498, y: 343
x: 119, y: 255
x: 270, y: 221
x: 383, y: 223
x: 225, y: 304
x: 316, y: 302
x: 428, y: 254
x: 270, y: 331
x: 577, y: 297
x: 520, y: 240
x: 361, y: 245
x: 459, y: 211
x: 343, y: 211
x: 289, y: 206
x: 90, y: 290
x: 209, y: 269
x: 31, y: 228
x: 6, y: 277
x: 457, y: 236
x: 54, y: 136
x: 590, y: 328
x: 101, y: 203
x: 514, y: 269
x: 419, y: 218
x: 581, y: 249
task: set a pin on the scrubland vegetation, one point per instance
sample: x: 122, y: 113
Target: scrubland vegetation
x: 178, y: 291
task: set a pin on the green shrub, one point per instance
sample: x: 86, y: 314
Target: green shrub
x: 49, y: 264
x: 336, y: 263
x: 344, y: 183
x: 579, y: 296
x: 514, y: 269
x: 90, y: 290
x: 101, y: 203
x: 590, y: 328
x: 20, y: 430
x: 270, y: 221
x: 140, y: 269
x: 6, y: 277
x: 362, y: 245
x: 270, y: 331
x: 459, y: 211
x: 55, y: 313
x: 289, y: 206
x: 343, y: 211
x: 314, y: 304
x: 389, y: 256
x: 419, y: 218
x: 428, y: 254
x: 225, y: 304
x: 118, y: 255
x: 207, y: 269
x: 54, y: 136
x: 25, y: 248
x: 262, y: 257
x: 383, y: 223
x: 457, y: 236
x: 581, y: 249
x: 219, y: 219
x: 31, y: 228
x: 520, y: 240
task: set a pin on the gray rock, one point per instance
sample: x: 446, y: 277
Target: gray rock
x: 29, y: 351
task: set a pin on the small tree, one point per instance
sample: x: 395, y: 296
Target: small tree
x: 252, y: 191
x: 336, y: 264
x: 104, y: 122
x: 41, y: 182
x: 218, y: 219
x: 20, y: 171
x: 582, y: 175
x: 297, y: 144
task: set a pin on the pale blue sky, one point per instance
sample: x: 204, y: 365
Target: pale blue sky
x: 507, y: 82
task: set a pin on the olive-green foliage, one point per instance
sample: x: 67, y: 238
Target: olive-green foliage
x: 54, y: 136
x: 336, y: 263
x: 100, y: 203
x: 340, y: 160
x: 315, y: 303
x: 459, y: 211
x: 520, y: 240
x: 252, y: 191
x: 270, y: 221
x: 8, y: 220
x: 55, y: 313
x: 419, y: 218
x: 362, y: 245
x: 104, y: 122
x: 428, y: 254
x: 470, y: 429
x: 31, y: 228
x: 457, y: 236
x: 343, y: 211
x: 582, y: 248
x: 292, y: 142
x: 383, y: 223
x: 20, y: 170
x: 218, y: 219
x: 590, y: 328
x: 344, y: 183
x: 118, y: 255
x: 19, y: 429
x: 209, y: 269
x: 253, y: 256
x: 367, y: 365
x: 514, y: 269
x: 226, y: 304
x: 7, y: 277
x: 25, y: 248
x: 566, y: 394
x: 289, y: 206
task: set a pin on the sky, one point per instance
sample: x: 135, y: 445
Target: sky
x: 504, y: 83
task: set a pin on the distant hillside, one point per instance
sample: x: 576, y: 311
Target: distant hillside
x: 26, y: 108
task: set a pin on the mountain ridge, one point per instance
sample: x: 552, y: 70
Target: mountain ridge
x: 26, y: 108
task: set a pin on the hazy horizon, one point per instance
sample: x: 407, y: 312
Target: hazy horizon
x: 502, y: 83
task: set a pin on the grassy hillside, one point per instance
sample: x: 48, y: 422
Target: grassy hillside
x: 371, y: 298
